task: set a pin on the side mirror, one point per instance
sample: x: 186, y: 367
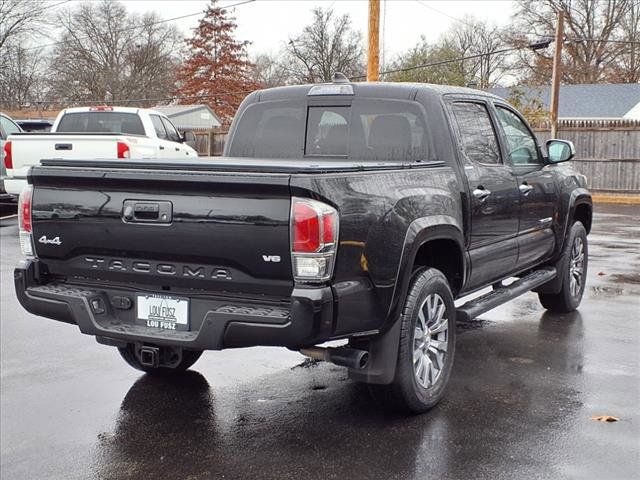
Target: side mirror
x: 560, y: 150
x: 189, y: 138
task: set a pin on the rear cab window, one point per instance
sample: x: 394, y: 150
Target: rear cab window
x: 101, y: 122
x: 360, y: 129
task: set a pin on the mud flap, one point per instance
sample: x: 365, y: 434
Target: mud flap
x: 383, y: 357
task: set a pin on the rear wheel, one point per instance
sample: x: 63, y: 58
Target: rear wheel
x: 572, y: 268
x: 171, y: 360
x: 427, y: 345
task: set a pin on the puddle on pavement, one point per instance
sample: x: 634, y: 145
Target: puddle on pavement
x: 475, y: 324
x: 606, y: 291
x: 633, y: 278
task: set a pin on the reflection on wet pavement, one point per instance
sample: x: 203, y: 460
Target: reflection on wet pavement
x: 524, y: 388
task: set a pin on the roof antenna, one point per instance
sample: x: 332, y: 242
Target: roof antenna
x: 339, y: 78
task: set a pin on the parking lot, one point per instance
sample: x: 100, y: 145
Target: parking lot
x: 524, y: 388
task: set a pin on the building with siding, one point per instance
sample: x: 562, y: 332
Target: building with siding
x: 586, y: 101
x: 190, y: 117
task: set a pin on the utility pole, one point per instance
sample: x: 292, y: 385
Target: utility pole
x: 373, y: 59
x: 557, y: 74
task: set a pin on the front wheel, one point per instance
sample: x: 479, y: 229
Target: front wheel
x: 572, y: 269
x: 171, y: 361
x: 427, y: 346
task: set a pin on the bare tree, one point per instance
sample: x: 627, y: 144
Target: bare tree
x: 473, y: 37
x: 21, y: 75
x: 592, y: 29
x: 21, y: 17
x: 270, y: 71
x: 107, y: 54
x: 470, y: 38
x: 328, y: 45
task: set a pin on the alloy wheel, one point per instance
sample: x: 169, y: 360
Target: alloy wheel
x: 430, y: 340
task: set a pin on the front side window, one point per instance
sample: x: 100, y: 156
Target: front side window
x: 158, y: 127
x: 520, y: 144
x: 172, y: 133
x: 101, y: 122
x: 477, y: 135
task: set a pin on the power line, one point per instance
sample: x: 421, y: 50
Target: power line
x: 534, y: 46
x: 602, y: 40
x: 53, y: 5
x: 166, y: 20
x: 420, y: 2
x: 443, y: 62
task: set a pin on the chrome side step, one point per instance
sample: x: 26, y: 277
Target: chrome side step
x: 501, y: 295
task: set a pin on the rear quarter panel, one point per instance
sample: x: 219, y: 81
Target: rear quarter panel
x: 378, y: 212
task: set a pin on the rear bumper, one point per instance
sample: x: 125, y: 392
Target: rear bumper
x: 14, y: 186
x: 216, y: 323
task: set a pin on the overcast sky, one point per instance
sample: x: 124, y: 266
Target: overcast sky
x: 268, y: 24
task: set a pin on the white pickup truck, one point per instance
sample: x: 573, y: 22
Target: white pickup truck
x: 96, y: 133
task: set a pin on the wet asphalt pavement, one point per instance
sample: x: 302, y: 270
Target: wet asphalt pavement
x: 523, y: 390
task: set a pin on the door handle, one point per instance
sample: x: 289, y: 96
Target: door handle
x: 161, y: 147
x: 481, y: 193
x: 177, y: 149
x: 525, y: 188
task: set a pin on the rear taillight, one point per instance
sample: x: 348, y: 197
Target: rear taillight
x: 8, y: 159
x: 123, y: 150
x: 24, y: 221
x: 314, y: 239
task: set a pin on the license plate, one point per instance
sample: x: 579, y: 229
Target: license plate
x: 161, y: 311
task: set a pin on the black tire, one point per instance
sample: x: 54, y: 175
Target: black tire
x: 406, y: 393
x: 187, y: 359
x: 569, y: 297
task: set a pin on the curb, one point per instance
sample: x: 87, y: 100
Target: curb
x: 618, y: 199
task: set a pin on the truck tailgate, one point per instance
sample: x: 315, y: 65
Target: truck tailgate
x: 29, y: 149
x: 165, y: 229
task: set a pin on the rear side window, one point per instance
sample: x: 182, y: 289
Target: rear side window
x: 476, y: 131
x: 101, y: 122
x: 368, y: 129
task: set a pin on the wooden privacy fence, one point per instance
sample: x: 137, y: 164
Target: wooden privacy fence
x: 607, y: 152
x: 210, y: 143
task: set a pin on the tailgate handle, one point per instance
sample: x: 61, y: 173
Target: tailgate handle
x: 64, y: 146
x: 144, y: 211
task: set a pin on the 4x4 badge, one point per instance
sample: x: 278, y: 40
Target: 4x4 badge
x: 52, y: 241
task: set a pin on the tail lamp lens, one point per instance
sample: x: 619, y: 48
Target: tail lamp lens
x: 123, y: 150
x: 24, y: 221
x: 306, y: 228
x: 314, y: 227
x: 8, y: 159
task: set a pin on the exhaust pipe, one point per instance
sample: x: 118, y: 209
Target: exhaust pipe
x: 343, y: 356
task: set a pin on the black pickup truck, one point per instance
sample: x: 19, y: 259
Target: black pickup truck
x: 355, y: 211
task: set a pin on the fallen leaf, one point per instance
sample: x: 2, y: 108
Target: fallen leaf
x: 605, y: 418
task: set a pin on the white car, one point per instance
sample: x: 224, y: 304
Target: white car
x: 96, y: 133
